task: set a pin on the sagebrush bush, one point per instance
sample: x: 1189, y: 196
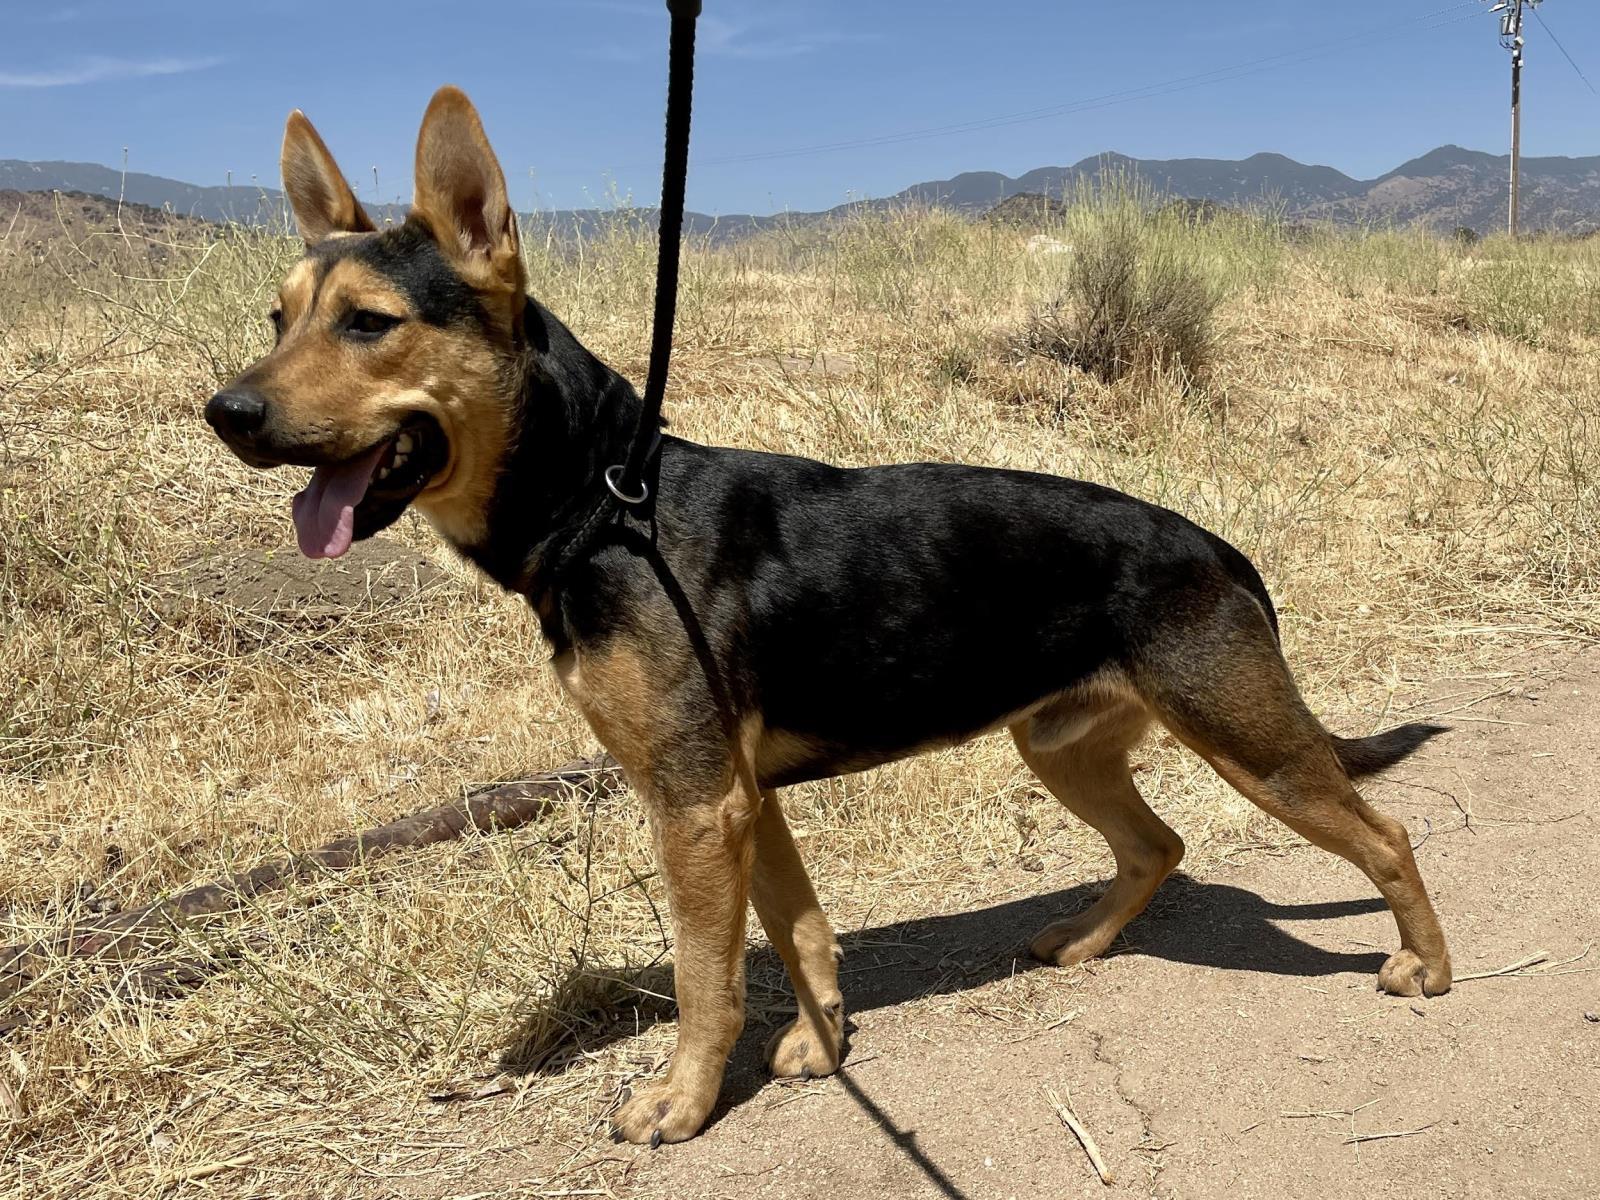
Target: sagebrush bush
x: 1135, y: 296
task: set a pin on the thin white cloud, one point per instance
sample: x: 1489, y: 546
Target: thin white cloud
x: 98, y: 68
x: 727, y: 39
x: 734, y: 40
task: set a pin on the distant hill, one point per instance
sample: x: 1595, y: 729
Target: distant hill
x: 1451, y: 187
x: 35, y: 223
x: 258, y: 205
x: 246, y: 204
x: 1442, y: 189
x: 1232, y: 182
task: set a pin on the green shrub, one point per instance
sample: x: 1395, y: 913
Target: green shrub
x: 1136, y: 295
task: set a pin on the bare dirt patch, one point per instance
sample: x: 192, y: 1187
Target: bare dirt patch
x: 283, y: 585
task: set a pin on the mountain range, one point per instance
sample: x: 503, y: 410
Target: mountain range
x: 1444, y: 189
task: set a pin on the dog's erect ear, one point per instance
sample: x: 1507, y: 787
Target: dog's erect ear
x: 322, y: 201
x: 461, y: 194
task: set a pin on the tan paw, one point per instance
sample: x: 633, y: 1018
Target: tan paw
x: 800, y: 1049
x: 1068, y: 943
x: 661, y: 1112
x: 1405, y: 974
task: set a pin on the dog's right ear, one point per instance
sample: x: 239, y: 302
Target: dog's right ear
x: 322, y: 201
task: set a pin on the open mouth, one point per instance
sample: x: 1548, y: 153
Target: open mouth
x: 354, y: 499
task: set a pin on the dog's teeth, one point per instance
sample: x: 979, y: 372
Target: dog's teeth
x: 402, y: 446
x: 399, y: 459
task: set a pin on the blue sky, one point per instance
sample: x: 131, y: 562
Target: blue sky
x: 571, y: 90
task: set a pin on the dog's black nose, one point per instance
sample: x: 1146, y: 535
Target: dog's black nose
x: 236, y: 411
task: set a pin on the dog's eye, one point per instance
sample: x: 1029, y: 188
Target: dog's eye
x: 366, y: 325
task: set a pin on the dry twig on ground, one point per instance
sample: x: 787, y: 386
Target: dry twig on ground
x: 1070, y: 1119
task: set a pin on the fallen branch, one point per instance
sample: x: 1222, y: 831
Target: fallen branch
x: 121, y: 936
x: 1070, y: 1120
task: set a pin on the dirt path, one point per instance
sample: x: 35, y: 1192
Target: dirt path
x: 1237, y: 1001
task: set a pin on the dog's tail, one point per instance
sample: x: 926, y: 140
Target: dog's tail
x: 1369, y: 755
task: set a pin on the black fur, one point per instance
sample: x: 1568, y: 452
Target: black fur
x: 869, y: 613
x: 408, y: 257
x: 1369, y: 755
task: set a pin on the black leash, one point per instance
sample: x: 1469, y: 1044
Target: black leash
x: 626, y: 479
x: 631, y: 481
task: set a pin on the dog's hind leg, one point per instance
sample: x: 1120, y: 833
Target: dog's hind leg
x: 813, y: 1042
x: 1223, y: 689
x: 1089, y: 774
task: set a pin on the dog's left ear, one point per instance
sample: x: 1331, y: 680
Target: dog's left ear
x: 461, y: 195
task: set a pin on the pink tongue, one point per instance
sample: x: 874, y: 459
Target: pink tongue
x: 325, y: 513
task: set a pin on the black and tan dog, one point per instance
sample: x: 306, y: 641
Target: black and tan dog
x: 773, y: 619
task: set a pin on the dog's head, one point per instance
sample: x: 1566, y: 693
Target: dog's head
x: 394, y: 372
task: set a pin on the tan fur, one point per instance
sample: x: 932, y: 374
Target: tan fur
x: 777, y: 751
x: 1313, y: 796
x: 1088, y: 772
x: 705, y: 852
x: 461, y: 194
x: 344, y: 400
x: 322, y: 201
x: 1257, y: 733
x: 703, y: 817
x: 713, y: 832
x: 614, y: 693
x: 813, y: 1043
x: 296, y: 291
x: 1078, y: 712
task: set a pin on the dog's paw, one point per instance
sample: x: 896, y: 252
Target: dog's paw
x: 661, y: 1112
x: 801, y: 1049
x: 1068, y: 943
x: 1405, y: 974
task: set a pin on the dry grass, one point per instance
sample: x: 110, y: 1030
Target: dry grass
x: 1399, y: 430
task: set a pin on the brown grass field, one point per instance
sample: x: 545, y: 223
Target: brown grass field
x: 1399, y: 430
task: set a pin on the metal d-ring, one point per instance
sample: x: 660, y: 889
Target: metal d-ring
x: 611, y: 484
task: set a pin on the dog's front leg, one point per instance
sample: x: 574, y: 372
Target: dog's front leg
x: 705, y: 846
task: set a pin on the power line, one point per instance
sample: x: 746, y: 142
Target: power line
x: 1563, y: 50
x: 1147, y: 91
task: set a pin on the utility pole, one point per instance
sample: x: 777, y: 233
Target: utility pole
x: 1511, y: 39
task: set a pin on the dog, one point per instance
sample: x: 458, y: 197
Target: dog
x: 767, y: 620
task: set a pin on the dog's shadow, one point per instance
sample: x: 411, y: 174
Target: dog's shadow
x: 1205, y: 924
